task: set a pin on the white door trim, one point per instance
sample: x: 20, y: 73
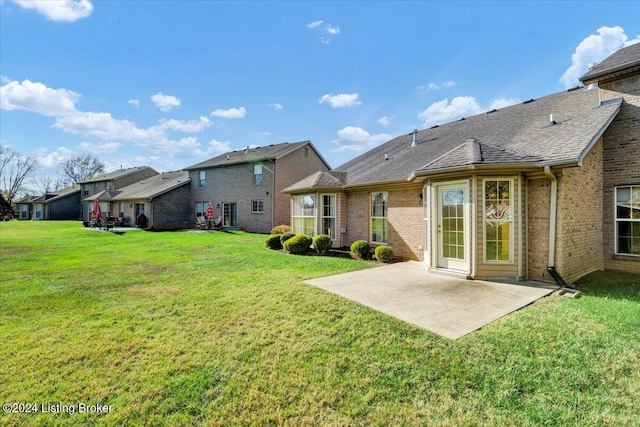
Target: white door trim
x: 461, y: 262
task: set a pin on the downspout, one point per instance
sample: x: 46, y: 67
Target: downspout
x: 553, y: 210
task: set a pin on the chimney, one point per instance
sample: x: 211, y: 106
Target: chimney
x: 415, y: 138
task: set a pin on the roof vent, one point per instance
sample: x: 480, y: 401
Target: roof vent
x: 415, y: 138
x: 228, y: 157
x: 551, y: 121
x: 246, y: 150
x: 386, y: 157
x: 492, y: 111
x: 436, y: 126
x: 461, y: 119
x: 574, y: 88
x: 531, y: 100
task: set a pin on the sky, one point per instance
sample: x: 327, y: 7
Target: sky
x: 169, y: 84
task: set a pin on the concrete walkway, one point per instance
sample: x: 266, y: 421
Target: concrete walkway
x: 448, y: 306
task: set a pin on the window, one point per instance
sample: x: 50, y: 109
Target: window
x: 201, y: 208
x: 498, y: 220
x: 303, y: 214
x: 306, y: 151
x: 201, y: 179
x: 329, y: 215
x: 139, y: 209
x: 257, y: 206
x: 85, y: 190
x: 110, y: 186
x: 379, y: 221
x: 257, y: 174
x: 230, y: 214
x: 628, y: 220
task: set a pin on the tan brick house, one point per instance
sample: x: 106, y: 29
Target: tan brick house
x: 552, y: 182
x: 245, y: 186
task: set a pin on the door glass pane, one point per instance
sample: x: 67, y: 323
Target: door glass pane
x: 453, y: 224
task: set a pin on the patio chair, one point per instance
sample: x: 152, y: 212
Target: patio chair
x: 217, y: 223
x: 201, y: 223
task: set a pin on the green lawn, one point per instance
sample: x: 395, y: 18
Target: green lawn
x: 189, y: 328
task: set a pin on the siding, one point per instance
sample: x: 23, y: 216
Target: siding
x: 68, y: 207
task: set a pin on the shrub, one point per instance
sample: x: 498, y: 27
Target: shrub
x: 273, y: 241
x: 298, y: 244
x: 384, y: 253
x: 285, y: 237
x: 361, y: 249
x: 322, y: 243
x: 280, y: 229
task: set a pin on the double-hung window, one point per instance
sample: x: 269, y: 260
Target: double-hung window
x: 379, y: 221
x: 201, y: 179
x: 257, y: 174
x: 201, y: 208
x: 498, y: 220
x: 257, y: 206
x: 329, y: 215
x: 628, y: 220
x: 304, y: 214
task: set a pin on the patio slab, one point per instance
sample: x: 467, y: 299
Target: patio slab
x: 448, y: 306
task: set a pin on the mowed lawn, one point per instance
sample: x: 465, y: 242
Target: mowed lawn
x: 186, y: 328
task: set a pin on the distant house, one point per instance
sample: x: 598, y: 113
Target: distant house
x: 548, y: 185
x: 107, y: 183
x: 163, y: 201
x: 245, y: 186
x: 59, y: 204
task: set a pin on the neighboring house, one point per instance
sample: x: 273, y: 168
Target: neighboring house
x: 163, y: 199
x: 108, y: 183
x: 551, y: 182
x: 59, y: 204
x: 245, y: 186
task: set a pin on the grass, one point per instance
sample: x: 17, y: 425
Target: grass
x: 191, y: 328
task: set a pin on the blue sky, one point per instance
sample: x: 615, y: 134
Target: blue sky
x: 171, y: 83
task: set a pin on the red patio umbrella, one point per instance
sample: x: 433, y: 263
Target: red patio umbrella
x: 209, y: 213
x: 96, y: 213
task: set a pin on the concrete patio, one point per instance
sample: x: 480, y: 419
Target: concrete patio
x: 448, y: 306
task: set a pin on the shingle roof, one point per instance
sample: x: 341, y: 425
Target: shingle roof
x: 253, y: 155
x: 626, y: 59
x: 520, y: 134
x: 104, y: 196
x: 320, y: 179
x: 153, y: 187
x: 116, y: 174
x: 64, y: 192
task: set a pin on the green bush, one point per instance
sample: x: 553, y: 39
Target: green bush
x: 384, y: 253
x: 285, y: 237
x: 322, y: 243
x: 298, y: 244
x: 273, y: 241
x: 280, y: 229
x: 361, y: 249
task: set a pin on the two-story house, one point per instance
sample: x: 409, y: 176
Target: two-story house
x: 245, y: 186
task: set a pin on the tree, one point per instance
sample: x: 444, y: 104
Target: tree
x: 80, y: 168
x: 6, y: 211
x: 14, y: 169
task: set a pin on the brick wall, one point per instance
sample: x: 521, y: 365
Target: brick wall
x: 539, y: 198
x: 170, y: 210
x: 621, y: 160
x: 579, y: 219
x: 68, y: 207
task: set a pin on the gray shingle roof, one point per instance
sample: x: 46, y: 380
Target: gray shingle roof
x: 625, y: 59
x: 520, y: 134
x: 320, y: 179
x: 253, y: 155
x: 64, y: 192
x: 116, y: 174
x: 153, y: 187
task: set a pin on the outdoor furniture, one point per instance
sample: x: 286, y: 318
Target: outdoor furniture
x: 200, y: 222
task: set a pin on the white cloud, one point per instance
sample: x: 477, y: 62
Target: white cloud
x: 135, y: 103
x: 165, y: 102
x: 340, y: 101
x: 384, y: 121
x: 38, y: 98
x: 51, y: 160
x: 443, y: 112
x: 4, y: 79
x: 436, y: 86
x: 277, y: 106
x: 59, y: 10
x: 502, y: 102
x: 448, y: 84
x: 315, y: 24
x: 356, y: 139
x: 191, y: 126
x: 231, y: 113
x: 219, y: 147
x: 100, y: 147
x: 593, y: 49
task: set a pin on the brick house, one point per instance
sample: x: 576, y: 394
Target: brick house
x: 163, y: 199
x: 59, y: 204
x: 104, y: 185
x: 551, y: 182
x: 245, y: 186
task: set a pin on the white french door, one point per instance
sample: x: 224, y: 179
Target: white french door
x: 452, y: 228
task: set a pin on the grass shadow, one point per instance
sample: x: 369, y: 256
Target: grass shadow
x: 611, y: 284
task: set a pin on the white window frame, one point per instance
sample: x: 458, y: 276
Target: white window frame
x: 201, y: 208
x: 498, y: 221
x: 257, y: 206
x: 634, y: 216
x: 230, y: 214
x: 384, y: 217
x: 257, y: 174
x: 299, y: 215
x: 202, y: 182
x: 332, y: 215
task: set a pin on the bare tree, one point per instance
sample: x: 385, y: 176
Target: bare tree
x: 14, y: 169
x: 80, y: 168
x: 43, y: 184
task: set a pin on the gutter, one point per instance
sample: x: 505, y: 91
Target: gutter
x: 553, y: 211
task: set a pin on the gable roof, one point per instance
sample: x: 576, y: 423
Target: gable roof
x: 64, y: 192
x: 153, y: 187
x: 255, y: 155
x: 320, y: 179
x: 117, y: 174
x: 519, y: 136
x: 622, y: 62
